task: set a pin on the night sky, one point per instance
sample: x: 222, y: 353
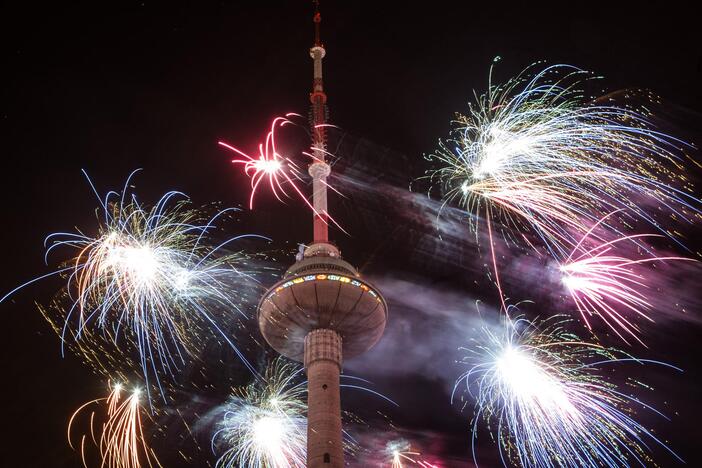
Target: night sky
x: 110, y: 87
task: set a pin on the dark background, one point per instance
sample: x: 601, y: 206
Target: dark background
x: 113, y: 86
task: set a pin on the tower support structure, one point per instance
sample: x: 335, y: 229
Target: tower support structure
x: 322, y: 310
x: 323, y: 365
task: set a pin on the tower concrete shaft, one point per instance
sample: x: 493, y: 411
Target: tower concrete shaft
x: 323, y: 365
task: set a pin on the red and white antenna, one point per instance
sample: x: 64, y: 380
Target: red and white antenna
x: 319, y: 170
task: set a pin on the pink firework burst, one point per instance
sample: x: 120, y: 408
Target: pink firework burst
x: 276, y: 170
x: 270, y: 165
x: 606, y: 283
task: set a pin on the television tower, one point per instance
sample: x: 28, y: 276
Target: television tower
x: 321, y: 310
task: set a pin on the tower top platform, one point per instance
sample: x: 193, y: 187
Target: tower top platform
x: 322, y: 291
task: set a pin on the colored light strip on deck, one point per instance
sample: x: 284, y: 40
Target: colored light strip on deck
x: 324, y: 277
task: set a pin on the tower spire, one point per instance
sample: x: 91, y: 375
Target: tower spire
x: 317, y: 20
x: 319, y: 169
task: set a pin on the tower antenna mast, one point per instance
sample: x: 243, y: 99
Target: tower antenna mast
x: 319, y: 170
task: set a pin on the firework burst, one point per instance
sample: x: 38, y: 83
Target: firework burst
x: 542, y: 391
x: 264, y: 423
x: 533, y: 153
x: 270, y: 165
x: 148, y: 280
x: 121, y: 441
x: 279, y: 172
x: 401, y: 453
x: 606, y: 284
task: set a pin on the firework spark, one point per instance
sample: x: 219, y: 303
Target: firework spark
x: 400, y: 453
x: 280, y: 172
x: 533, y: 153
x: 121, y: 441
x: 270, y: 165
x: 606, y: 284
x: 264, y: 424
x: 542, y: 391
x: 149, y: 279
